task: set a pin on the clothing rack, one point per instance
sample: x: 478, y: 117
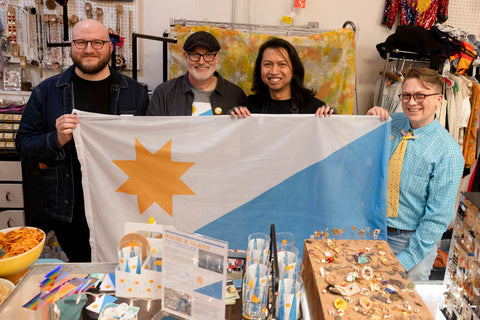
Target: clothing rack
x: 165, y: 40
x: 397, y: 55
x: 274, y: 30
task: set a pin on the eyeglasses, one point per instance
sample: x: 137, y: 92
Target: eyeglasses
x: 96, y: 44
x: 207, y: 57
x: 418, y: 97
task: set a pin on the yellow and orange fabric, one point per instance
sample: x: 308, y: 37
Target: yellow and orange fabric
x: 329, y: 60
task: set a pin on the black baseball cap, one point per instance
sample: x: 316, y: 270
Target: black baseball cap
x: 201, y: 38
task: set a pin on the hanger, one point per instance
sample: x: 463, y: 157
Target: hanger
x: 402, y: 68
x: 391, y: 75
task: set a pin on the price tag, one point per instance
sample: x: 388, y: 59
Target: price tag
x: 287, y: 20
x: 300, y: 3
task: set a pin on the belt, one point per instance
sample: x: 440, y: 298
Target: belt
x: 390, y: 229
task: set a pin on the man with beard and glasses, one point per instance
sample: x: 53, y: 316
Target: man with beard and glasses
x: 201, y: 91
x: 44, y: 138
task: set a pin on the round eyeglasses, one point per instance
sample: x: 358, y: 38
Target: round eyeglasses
x: 207, y: 57
x: 96, y: 44
x: 418, y: 97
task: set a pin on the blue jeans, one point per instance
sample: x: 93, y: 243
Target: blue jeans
x: 398, y: 241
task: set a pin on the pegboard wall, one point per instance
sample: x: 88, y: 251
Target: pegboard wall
x: 465, y: 15
x: 30, y: 24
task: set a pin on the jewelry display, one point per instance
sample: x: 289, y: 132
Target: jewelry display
x: 119, y: 58
x: 73, y: 20
x: 12, y: 79
x: 462, y: 276
x: 99, y: 14
x: 42, y: 20
x: 11, y: 25
x: 15, y: 50
x: 88, y: 10
x: 356, y: 283
x: 50, y: 4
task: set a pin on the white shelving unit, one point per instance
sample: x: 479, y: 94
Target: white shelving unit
x: 12, y: 213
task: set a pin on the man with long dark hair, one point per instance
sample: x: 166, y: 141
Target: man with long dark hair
x: 278, y: 84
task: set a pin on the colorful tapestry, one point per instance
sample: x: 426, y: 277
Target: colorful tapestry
x: 329, y: 60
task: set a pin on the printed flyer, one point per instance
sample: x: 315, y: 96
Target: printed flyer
x: 194, y: 275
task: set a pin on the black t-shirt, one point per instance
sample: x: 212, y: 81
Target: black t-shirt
x: 258, y: 104
x: 92, y: 96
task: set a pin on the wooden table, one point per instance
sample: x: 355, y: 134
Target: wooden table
x: 372, y: 268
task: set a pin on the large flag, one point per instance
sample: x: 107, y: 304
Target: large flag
x: 227, y: 178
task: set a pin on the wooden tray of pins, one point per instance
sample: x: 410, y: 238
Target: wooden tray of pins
x: 358, y: 279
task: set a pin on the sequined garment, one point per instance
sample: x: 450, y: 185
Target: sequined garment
x: 415, y: 12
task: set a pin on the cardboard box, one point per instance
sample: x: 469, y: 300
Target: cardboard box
x: 371, y: 280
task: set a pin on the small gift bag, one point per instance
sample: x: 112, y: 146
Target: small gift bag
x: 139, y: 271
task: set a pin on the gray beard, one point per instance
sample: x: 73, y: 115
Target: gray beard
x: 197, y: 76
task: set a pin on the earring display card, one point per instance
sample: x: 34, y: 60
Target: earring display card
x: 12, y: 79
x: 462, y: 278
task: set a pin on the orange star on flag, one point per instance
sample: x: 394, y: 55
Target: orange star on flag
x: 154, y: 178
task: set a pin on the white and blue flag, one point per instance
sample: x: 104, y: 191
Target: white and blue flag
x: 227, y: 178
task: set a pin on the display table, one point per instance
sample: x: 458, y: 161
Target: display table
x: 27, y: 288
x: 359, y: 279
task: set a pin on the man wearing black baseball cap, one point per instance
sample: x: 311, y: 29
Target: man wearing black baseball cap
x: 202, y: 90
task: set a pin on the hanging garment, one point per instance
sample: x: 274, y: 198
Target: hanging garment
x: 470, y: 138
x: 454, y: 32
x: 450, y: 45
x: 424, y: 43
x: 474, y: 42
x: 450, y: 94
x: 467, y: 55
x: 458, y: 107
x: 390, y: 99
x: 449, y: 101
x: 442, y: 109
x: 422, y: 13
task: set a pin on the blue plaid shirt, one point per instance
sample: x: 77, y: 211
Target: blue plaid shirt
x: 429, y: 183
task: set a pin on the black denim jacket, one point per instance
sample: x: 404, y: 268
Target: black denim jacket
x: 37, y: 143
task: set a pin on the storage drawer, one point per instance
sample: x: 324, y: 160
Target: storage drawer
x: 11, y: 195
x: 12, y: 218
x: 10, y: 171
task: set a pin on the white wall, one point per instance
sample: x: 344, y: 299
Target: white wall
x: 367, y: 15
